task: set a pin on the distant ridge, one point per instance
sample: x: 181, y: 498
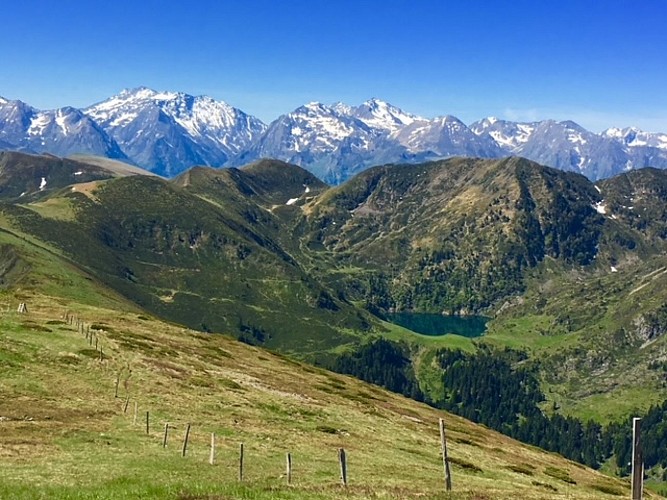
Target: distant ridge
x: 169, y: 132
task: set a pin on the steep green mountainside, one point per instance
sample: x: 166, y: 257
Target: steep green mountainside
x: 214, y: 258
x: 461, y: 236
x: 638, y: 200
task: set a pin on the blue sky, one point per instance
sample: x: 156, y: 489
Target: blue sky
x: 600, y: 63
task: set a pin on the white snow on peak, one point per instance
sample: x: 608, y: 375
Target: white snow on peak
x: 3, y: 100
x: 61, y: 121
x: 215, y: 123
x: 314, y: 105
x: 319, y: 127
x: 292, y: 201
x: 633, y: 137
x: 42, y: 184
x: 123, y: 119
x: 38, y: 124
x: 381, y: 115
x: 613, y: 133
x: 342, y: 108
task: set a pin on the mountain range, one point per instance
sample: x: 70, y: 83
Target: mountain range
x: 168, y: 132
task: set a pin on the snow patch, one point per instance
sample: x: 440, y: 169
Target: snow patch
x: 307, y: 189
x: 38, y: 124
x: 123, y: 119
x: 78, y: 173
x: 613, y: 269
x: 598, y: 189
x: 292, y: 201
x: 42, y: 184
x: 600, y: 207
x: 60, y: 120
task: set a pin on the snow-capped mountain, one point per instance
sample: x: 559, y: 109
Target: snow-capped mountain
x: 568, y: 146
x: 380, y: 115
x: 168, y: 132
x: 330, y: 141
x: 63, y: 131
x: 510, y: 136
x: 337, y: 141
x: 445, y: 136
x: 635, y: 138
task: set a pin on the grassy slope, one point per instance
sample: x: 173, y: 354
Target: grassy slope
x: 64, y: 434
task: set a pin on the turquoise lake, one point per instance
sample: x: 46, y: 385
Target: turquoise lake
x: 438, y: 324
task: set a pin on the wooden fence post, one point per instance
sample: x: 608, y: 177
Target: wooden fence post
x: 117, y: 382
x: 211, y: 457
x: 147, y: 427
x: 288, y: 465
x: 136, y: 407
x: 342, y: 459
x: 445, y: 458
x: 185, y: 440
x: 241, y: 463
x: 637, y: 460
x: 127, y: 402
x: 166, y: 431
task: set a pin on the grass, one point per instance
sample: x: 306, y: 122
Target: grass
x: 65, y: 434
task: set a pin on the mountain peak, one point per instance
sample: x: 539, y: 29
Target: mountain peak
x: 145, y: 93
x: 374, y: 102
x: 379, y: 114
x: 489, y: 120
x: 315, y: 105
x: 573, y: 125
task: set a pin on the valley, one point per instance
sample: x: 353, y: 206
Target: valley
x: 570, y: 273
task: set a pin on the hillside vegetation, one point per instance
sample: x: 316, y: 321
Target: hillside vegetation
x: 66, y: 435
x: 572, y: 274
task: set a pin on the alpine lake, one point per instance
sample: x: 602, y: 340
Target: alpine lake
x: 438, y: 324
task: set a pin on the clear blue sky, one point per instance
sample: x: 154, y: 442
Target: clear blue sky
x: 600, y: 63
